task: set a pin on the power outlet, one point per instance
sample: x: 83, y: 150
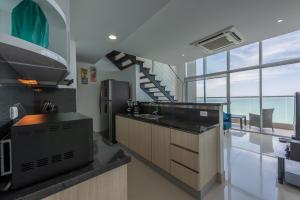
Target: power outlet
x: 203, y: 113
x: 13, y: 112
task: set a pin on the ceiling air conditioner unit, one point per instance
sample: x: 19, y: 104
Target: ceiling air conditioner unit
x: 220, y: 40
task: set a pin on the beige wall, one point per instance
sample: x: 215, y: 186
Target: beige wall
x: 88, y: 94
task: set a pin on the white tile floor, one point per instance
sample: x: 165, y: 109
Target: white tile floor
x: 250, y: 174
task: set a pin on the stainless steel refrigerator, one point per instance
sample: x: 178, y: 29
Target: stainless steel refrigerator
x: 113, y: 99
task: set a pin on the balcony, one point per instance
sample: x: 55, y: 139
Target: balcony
x: 282, y: 118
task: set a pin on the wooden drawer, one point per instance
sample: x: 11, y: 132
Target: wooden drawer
x: 184, y: 139
x: 184, y: 174
x: 185, y: 157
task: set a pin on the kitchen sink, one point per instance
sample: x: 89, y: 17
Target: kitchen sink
x: 150, y: 116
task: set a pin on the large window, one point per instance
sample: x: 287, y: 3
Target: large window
x: 256, y: 88
x: 216, y: 90
x: 282, y: 47
x: 217, y: 63
x: 279, y: 85
x: 200, y: 91
x: 244, y: 92
x: 194, y: 68
x: 195, y: 91
x: 244, y: 56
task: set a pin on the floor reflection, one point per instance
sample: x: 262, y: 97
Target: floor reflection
x: 251, y: 170
x: 250, y: 167
x: 277, y: 131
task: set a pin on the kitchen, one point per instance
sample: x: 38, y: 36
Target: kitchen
x: 104, y: 109
x: 37, y: 101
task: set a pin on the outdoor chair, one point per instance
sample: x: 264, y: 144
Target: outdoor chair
x: 254, y: 119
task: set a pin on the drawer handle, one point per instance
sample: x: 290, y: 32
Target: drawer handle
x: 184, y: 166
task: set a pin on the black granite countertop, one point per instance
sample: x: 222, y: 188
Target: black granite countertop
x: 195, y: 127
x: 106, y: 158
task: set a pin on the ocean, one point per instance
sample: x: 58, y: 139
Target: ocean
x: 283, y: 106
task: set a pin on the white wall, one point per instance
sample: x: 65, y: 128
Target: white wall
x: 72, y: 66
x: 88, y: 94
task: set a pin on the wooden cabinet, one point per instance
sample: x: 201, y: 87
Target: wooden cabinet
x: 186, y: 140
x: 139, y: 138
x: 161, y: 137
x: 194, y: 154
x: 122, y: 130
x: 111, y: 185
x: 185, y: 157
x: 187, y: 176
x: 191, y: 158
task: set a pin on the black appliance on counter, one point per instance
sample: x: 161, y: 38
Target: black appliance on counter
x: 39, y: 147
x: 113, y: 99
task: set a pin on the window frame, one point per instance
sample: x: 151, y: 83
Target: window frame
x: 228, y: 72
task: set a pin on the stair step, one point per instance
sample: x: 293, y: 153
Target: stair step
x: 150, y: 82
x: 120, y: 56
x: 142, y: 77
x: 113, y: 54
x: 123, y: 59
x: 129, y: 65
x: 150, y: 87
x: 155, y: 92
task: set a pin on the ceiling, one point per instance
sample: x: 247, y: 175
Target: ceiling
x: 162, y: 30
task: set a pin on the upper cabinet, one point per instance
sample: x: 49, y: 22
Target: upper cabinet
x: 59, y: 34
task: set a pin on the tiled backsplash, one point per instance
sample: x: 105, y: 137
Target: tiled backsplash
x: 65, y: 99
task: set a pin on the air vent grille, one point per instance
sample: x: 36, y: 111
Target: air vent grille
x: 220, y: 40
x: 46, y: 161
x: 218, y: 43
x: 42, y: 162
x: 27, y: 166
x: 68, y: 155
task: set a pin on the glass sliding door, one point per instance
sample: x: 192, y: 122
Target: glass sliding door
x: 244, y: 98
x: 279, y: 85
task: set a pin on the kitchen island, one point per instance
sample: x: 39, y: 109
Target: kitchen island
x: 185, y: 151
x: 105, y: 178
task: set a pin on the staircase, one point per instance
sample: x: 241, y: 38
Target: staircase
x: 148, y: 83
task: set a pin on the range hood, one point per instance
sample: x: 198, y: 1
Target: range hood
x: 32, y: 62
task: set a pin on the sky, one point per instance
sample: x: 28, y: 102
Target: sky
x: 283, y: 80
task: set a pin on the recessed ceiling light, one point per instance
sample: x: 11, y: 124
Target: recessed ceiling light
x: 279, y: 20
x: 112, y: 37
x: 182, y: 55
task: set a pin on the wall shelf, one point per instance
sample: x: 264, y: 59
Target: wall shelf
x: 58, y: 28
x: 25, y: 56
